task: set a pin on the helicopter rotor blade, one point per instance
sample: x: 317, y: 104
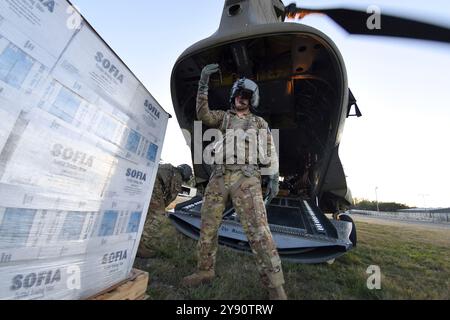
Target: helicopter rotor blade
x: 356, y: 22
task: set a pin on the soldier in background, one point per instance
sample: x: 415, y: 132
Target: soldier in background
x: 168, y: 185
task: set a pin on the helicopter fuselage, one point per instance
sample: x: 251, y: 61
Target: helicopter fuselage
x: 304, y: 94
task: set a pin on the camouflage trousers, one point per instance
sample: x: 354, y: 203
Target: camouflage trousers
x: 155, y: 219
x: 249, y: 205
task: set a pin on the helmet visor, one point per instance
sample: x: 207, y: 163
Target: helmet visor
x: 244, y: 94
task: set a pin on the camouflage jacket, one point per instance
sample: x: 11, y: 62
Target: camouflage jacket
x: 170, y: 181
x: 226, y: 120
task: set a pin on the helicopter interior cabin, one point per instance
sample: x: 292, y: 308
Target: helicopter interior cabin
x: 300, y: 89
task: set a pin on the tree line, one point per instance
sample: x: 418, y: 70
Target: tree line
x: 364, y: 204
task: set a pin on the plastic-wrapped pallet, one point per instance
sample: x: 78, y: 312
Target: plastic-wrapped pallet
x: 80, y: 143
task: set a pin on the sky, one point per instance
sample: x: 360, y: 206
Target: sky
x: 398, y: 150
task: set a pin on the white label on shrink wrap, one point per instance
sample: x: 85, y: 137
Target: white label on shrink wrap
x: 148, y: 113
x: 104, y: 267
x: 89, y: 68
x: 130, y: 182
x: 52, y: 279
x: 21, y: 76
x: 32, y: 25
x: 55, y: 159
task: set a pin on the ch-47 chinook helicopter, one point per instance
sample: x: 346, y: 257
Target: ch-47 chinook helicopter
x: 305, y: 95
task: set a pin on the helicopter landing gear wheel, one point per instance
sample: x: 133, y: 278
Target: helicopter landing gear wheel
x: 353, y: 237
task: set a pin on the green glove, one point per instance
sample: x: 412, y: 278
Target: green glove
x: 204, y: 78
x: 272, y: 188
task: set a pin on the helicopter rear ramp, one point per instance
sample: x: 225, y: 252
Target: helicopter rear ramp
x: 302, y: 233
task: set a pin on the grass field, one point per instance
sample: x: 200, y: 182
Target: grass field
x: 414, y: 262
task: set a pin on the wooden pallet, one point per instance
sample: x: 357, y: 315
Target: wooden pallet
x: 133, y: 288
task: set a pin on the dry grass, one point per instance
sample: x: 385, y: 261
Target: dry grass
x: 414, y: 263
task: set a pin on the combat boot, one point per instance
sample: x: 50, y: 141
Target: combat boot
x: 198, y: 278
x: 277, y: 293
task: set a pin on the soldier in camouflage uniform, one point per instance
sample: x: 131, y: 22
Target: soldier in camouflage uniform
x: 239, y: 182
x: 168, y: 182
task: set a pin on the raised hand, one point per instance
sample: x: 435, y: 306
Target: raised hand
x: 208, y: 71
x: 204, y: 78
